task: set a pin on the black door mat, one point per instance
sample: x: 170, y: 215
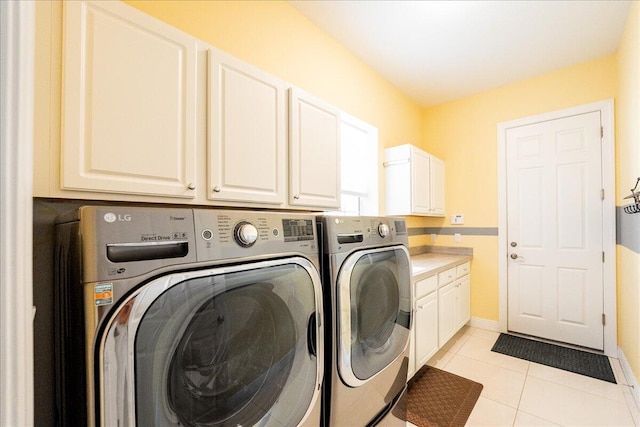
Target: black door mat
x: 568, y: 359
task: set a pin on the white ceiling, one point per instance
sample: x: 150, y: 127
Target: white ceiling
x: 439, y: 51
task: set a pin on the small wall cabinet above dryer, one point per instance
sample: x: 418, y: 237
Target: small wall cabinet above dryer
x: 249, y: 142
x: 414, y: 182
x: 314, y: 151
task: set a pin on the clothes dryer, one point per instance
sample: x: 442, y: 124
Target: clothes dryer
x: 367, y: 298
x: 188, y: 317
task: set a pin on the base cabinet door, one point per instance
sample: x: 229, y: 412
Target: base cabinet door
x: 463, y: 301
x: 447, y: 313
x: 129, y: 102
x: 426, y: 330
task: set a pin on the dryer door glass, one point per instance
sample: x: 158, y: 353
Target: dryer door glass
x: 376, y: 287
x: 226, y: 348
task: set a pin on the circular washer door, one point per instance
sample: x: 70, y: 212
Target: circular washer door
x: 225, y: 347
x: 374, y: 300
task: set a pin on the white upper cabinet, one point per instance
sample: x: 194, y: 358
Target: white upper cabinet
x: 129, y: 105
x: 414, y: 182
x: 247, y: 133
x: 314, y: 152
x: 145, y: 116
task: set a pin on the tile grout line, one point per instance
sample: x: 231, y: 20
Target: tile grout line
x: 524, y: 384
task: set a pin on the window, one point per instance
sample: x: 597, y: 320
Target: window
x: 359, y: 171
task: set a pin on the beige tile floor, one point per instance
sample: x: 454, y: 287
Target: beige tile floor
x: 521, y: 393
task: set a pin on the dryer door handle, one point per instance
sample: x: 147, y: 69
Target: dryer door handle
x: 312, y: 335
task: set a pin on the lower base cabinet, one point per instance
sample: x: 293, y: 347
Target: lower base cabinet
x: 446, y: 313
x: 454, y: 308
x: 426, y: 334
x: 442, y: 306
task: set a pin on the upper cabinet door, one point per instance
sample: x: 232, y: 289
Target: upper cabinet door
x: 129, y: 102
x: 420, y: 167
x: 437, y: 186
x: 247, y: 133
x: 314, y: 152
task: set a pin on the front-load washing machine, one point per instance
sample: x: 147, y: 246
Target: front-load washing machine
x: 189, y: 317
x: 367, y: 290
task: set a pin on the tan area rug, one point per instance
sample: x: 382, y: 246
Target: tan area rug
x: 437, y: 398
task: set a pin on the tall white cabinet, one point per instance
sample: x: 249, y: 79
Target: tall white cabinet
x: 129, y: 107
x: 414, y: 182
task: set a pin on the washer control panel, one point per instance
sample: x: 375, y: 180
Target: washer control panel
x: 224, y: 234
x: 383, y: 230
x: 245, y: 234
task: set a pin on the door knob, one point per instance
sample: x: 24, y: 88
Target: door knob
x: 514, y: 256
x: 514, y: 244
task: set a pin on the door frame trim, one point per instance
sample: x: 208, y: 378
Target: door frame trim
x: 17, y: 59
x: 605, y: 108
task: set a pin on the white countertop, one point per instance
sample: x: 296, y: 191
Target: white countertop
x: 432, y: 262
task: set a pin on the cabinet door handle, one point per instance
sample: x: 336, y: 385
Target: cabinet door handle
x: 296, y: 197
x: 191, y: 186
x: 216, y: 189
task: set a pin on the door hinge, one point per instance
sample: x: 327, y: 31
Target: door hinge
x: 601, y: 132
x: 604, y: 319
x: 602, y: 194
x: 602, y: 256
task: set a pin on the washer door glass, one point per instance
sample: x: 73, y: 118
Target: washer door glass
x: 227, y: 348
x: 375, y: 285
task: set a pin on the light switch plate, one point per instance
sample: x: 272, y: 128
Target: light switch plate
x: 457, y: 219
x: 457, y: 237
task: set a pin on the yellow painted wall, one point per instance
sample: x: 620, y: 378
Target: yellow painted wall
x: 271, y: 35
x: 627, y: 171
x: 275, y: 37
x: 464, y: 134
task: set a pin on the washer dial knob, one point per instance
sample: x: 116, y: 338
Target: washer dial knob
x: 245, y: 234
x: 383, y: 230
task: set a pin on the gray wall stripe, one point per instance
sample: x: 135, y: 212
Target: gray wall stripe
x: 628, y: 229
x: 450, y: 231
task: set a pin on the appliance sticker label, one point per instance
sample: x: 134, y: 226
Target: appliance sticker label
x: 103, y: 293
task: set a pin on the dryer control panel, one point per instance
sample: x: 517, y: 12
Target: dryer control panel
x: 343, y: 233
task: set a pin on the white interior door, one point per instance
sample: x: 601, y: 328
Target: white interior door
x: 555, y: 229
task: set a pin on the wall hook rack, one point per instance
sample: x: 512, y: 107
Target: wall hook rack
x: 635, y: 195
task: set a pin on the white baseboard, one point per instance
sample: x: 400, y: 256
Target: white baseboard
x: 490, y: 325
x: 630, y: 377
